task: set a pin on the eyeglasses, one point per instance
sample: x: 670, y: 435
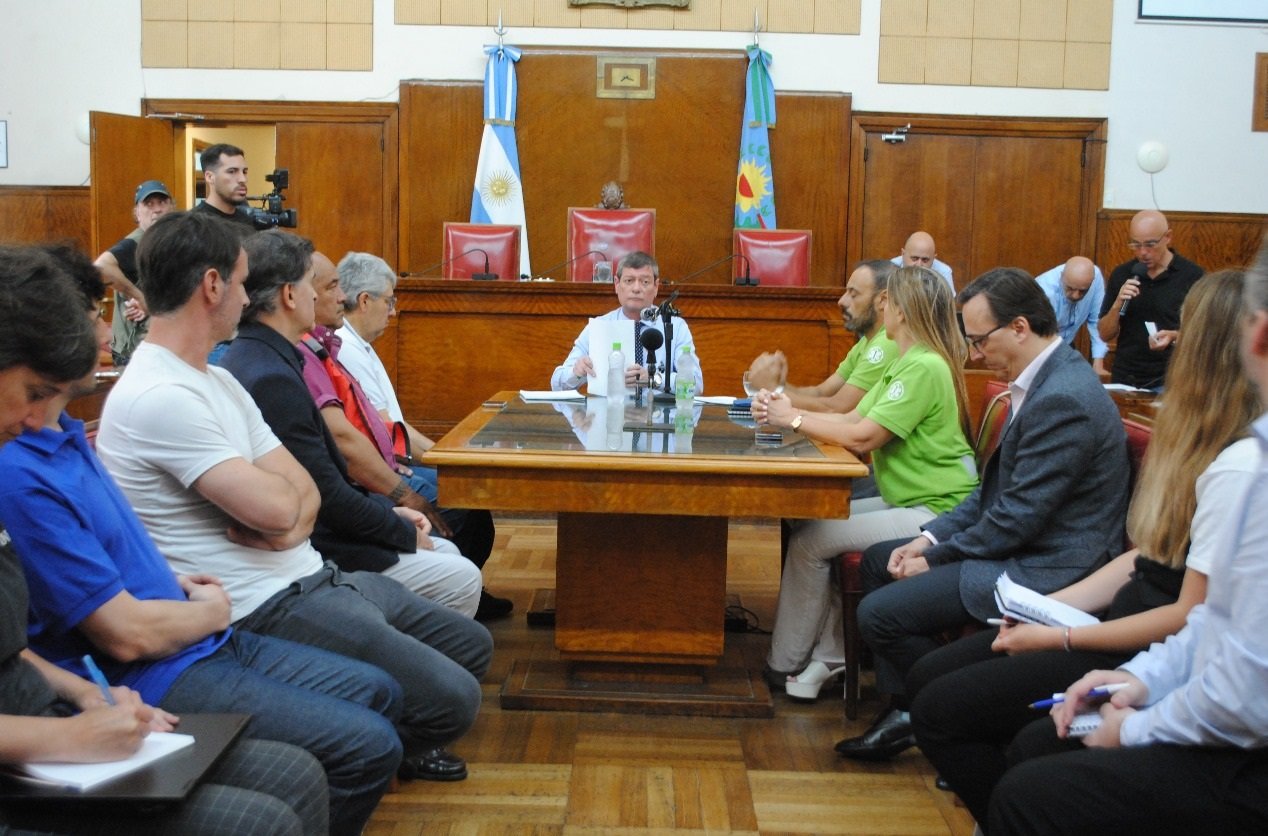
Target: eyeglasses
x: 630, y: 281
x: 1144, y: 245
x: 391, y: 301
x: 975, y: 343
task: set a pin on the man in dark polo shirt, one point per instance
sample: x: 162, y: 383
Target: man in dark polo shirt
x: 1142, y: 303
x: 225, y: 170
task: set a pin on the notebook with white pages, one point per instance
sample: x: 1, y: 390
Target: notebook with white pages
x: 1021, y: 604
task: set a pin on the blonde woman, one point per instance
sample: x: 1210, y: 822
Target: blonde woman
x: 1199, y: 462
x: 914, y: 422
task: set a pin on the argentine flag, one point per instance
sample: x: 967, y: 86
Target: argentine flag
x: 498, y: 197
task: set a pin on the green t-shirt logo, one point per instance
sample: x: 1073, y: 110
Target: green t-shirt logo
x: 875, y: 354
x: 895, y: 391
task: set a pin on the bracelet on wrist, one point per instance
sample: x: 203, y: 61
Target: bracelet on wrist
x: 1065, y: 640
x: 402, y: 488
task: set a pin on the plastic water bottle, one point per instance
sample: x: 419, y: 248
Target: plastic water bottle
x: 685, y: 382
x: 616, y: 374
x: 684, y: 428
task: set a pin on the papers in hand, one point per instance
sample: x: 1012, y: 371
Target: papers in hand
x: 1084, y: 724
x: 1021, y: 604
x: 547, y: 395
x: 84, y: 776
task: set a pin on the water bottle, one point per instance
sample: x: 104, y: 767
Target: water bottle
x: 685, y: 382
x: 616, y: 374
x: 684, y: 428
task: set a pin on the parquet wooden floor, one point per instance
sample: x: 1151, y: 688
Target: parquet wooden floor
x: 538, y: 772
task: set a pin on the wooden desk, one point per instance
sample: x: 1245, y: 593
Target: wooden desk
x: 641, y: 539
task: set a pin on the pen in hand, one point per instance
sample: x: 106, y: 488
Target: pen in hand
x: 1099, y: 691
x: 99, y: 678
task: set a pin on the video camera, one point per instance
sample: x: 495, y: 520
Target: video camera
x: 272, y: 214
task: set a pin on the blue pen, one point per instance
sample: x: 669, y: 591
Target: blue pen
x: 1098, y: 691
x: 99, y: 678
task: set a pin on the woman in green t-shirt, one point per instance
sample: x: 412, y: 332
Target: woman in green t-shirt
x: 914, y: 422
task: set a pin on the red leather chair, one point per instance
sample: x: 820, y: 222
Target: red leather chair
x: 613, y: 233
x: 994, y: 420
x: 1138, y: 436
x: 778, y: 257
x: 500, y: 241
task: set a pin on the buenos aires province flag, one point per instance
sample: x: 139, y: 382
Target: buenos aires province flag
x: 755, y: 180
x: 498, y: 196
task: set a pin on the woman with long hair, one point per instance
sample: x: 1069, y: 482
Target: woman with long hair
x: 914, y: 422
x: 971, y: 696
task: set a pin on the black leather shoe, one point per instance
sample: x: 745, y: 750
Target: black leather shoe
x: 889, y: 735
x: 433, y: 765
x: 491, y: 607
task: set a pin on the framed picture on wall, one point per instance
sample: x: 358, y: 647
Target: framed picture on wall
x: 1207, y: 11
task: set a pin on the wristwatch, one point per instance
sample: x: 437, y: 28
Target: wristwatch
x: 796, y: 422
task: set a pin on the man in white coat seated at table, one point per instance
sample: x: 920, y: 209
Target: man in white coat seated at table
x: 637, y: 281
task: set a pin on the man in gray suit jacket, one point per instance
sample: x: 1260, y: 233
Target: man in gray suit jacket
x: 1049, y: 510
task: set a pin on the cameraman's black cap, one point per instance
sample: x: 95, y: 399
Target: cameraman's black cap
x: 148, y: 188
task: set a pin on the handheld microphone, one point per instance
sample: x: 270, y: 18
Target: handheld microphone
x: 1141, y: 272
x: 426, y: 271
x: 566, y: 262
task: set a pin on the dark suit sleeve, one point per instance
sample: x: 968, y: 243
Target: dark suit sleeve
x: 1056, y: 438
x: 289, y: 410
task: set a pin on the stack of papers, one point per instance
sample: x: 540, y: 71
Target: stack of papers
x: 548, y: 395
x: 1021, y: 604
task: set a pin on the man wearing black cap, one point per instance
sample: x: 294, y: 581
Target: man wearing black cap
x: 118, y: 269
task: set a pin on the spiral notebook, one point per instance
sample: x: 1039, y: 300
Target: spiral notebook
x: 1021, y: 604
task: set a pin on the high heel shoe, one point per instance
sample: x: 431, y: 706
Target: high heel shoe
x: 806, y: 685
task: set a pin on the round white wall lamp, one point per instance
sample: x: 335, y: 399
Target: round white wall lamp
x: 1152, y: 156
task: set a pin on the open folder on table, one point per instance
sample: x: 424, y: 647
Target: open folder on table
x: 166, y: 767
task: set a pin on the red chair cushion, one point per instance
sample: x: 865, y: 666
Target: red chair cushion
x: 500, y: 241
x: 777, y: 257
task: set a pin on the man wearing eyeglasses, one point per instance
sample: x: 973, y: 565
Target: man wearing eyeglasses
x: 638, y: 280
x: 1142, y: 306
x: 1076, y: 290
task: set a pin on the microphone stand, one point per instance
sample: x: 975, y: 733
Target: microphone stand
x: 422, y: 274
x: 566, y: 262
x: 667, y: 314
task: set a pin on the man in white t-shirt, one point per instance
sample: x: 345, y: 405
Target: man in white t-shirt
x: 219, y: 494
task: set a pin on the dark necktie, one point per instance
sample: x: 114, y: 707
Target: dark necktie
x: 638, y: 344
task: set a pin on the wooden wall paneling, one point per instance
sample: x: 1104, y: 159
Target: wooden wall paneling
x: 810, y: 147
x: 441, y: 125
x: 1025, y: 191
x: 338, y: 183
x: 1212, y: 239
x: 456, y: 342
x: 31, y: 214
x: 676, y: 153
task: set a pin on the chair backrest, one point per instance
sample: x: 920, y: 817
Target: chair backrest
x: 611, y: 233
x: 465, y: 245
x: 1138, y: 436
x: 994, y: 420
x: 775, y: 256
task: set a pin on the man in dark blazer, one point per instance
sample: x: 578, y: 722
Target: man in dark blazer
x: 358, y: 530
x: 1049, y: 510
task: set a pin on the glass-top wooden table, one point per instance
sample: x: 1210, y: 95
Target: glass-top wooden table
x: 640, y: 567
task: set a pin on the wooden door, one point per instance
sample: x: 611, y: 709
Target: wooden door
x: 337, y: 183
x: 925, y: 182
x: 125, y: 151
x: 992, y: 191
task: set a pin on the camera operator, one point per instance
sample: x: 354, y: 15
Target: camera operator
x: 225, y: 171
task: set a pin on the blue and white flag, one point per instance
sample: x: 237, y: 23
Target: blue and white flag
x: 498, y: 197
x: 755, y: 180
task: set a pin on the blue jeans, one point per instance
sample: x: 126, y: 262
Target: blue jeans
x: 437, y: 655
x: 338, y: 709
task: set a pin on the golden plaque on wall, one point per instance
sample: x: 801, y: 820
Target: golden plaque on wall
x: 633, y: 4
x: 624, y: 77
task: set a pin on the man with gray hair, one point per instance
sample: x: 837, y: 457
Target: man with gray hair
x: 637, y: 281
x: 367, y: 283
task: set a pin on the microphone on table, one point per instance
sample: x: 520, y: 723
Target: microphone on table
x: 426, y: 271
x: 1141, y: 272
x: 566, y: 262
x: 747, y: 279
x: 651, y: 339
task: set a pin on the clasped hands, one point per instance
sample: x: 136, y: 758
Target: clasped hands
x: 773, y: 409
x: 908, y: 560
